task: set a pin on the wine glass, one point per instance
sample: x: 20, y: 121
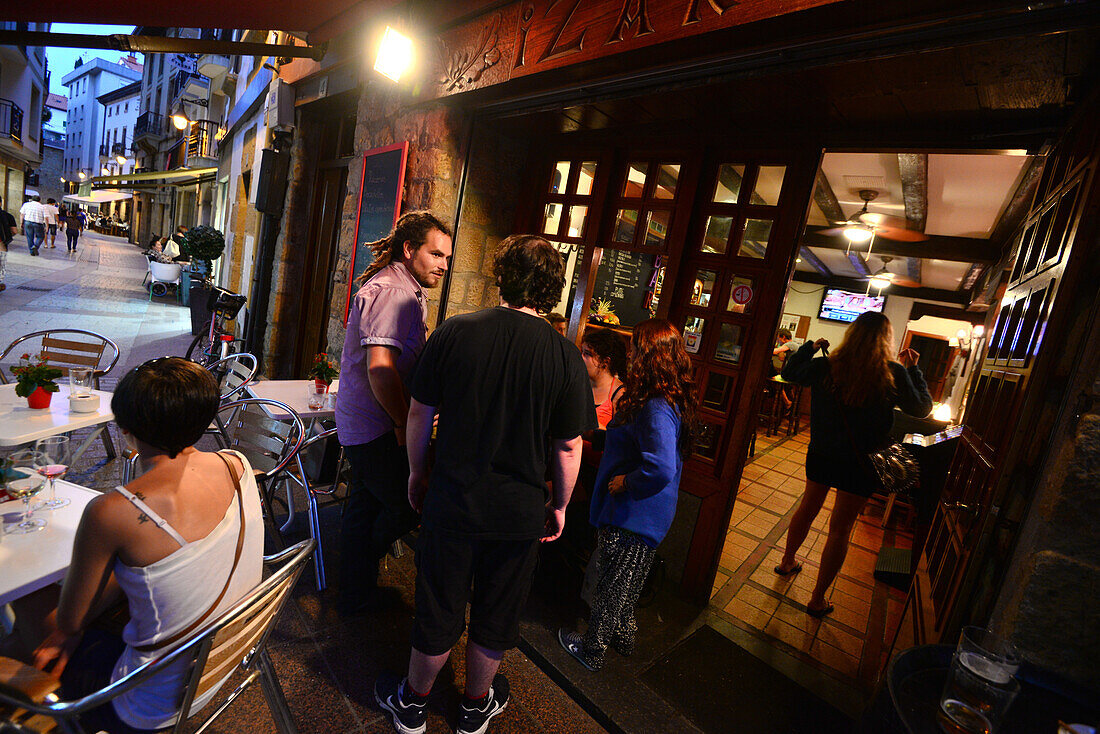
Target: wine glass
x: 23, y: 481
x: 55, y: 452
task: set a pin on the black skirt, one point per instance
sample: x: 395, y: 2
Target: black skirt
x: 845, y: 471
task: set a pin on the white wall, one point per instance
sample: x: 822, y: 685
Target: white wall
x: 804, y: 299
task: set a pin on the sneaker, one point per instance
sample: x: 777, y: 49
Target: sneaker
x: 407, y: 718
x: 473, y: 716
x: 573, y: 644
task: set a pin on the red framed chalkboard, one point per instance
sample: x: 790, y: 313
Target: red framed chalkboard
x: 380, y: 189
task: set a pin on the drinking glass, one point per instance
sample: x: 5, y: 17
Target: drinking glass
x: 54, y: 452
x: 80, y: 381
x: 23, y: 481
x: 315, y: 395
x: 980, y: 683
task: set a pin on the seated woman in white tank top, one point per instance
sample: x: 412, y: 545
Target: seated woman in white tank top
x: 167, y: 542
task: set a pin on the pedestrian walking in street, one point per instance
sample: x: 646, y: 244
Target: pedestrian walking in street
x: 33, y: 216
x: 8, y: 229
x: 73, y: 227
x: 386, y: 333
x: 513, y: 398
x: 854, y: 391
x: 634, y: 497
x: 52, y: 217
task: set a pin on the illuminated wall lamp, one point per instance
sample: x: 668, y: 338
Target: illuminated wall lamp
x: 121, y: 159
x: 942, y: 412
x: 395, y: 54
x: 80, y: 175
x: 180, y: 121
x: 104, y: 171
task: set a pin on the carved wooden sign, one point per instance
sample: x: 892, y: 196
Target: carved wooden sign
x: 532, y: 36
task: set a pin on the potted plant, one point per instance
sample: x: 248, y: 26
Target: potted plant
x: 323, y: 371
x: 34, y: 380
x: 202, y: 244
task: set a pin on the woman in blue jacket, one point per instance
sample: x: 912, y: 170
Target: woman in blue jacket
x: 634, y: 498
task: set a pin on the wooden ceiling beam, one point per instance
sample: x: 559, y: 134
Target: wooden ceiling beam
x: 815, y: 262
x: 860, y: 286
x: 954, y: 249
x: 945, y: 312
x: 826, y: 199
x: 914, y: 192
x: 859, y: 263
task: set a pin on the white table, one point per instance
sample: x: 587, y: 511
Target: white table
x: 293, y: 393
x: 38, y: 559
x: 23, y: 425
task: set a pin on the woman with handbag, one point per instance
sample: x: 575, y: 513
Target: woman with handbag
x: 180, y: 544
x: 854, y: 392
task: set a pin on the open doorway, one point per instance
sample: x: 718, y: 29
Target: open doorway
x: 926, y: 262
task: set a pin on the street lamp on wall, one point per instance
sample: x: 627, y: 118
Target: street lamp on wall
x: 395, y: 54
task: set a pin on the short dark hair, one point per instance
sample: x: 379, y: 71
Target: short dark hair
x: 51, y: 201
x: 167, y: 403
x: 529, y: 272
x: 784, y: 334
x: 608, y: 347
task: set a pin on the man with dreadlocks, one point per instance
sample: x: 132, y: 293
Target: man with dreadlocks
x: 385, y: 335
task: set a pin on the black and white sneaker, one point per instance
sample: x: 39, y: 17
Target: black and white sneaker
x: 572, y: 642
x: 473, y: 716
x: 407, y: 718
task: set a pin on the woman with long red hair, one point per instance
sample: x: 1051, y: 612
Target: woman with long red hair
x: 854, y: 393
x: 634, y: 497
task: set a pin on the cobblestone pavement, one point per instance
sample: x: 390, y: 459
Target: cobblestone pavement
x: 99, y: 288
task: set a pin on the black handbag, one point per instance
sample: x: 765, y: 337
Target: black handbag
x: 894, y: 466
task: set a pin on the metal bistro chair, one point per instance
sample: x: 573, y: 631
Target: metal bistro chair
x: 271, y: 435
x: 68, y: 349
x: 236, y: 638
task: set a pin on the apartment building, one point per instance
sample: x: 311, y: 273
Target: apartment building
x: 86, y: 116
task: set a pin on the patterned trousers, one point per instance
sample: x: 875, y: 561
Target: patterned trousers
x: 3, y: 264
x: 623, y: 564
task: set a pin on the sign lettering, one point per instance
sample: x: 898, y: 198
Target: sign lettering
x: 694, y: 15
x: 554, y: 50
x: 627, y: 19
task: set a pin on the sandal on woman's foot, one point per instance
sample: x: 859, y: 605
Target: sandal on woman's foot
x: 790, y: 571
x: 820, y: 613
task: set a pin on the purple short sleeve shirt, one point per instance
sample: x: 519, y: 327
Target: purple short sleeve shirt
x: 387, y: 311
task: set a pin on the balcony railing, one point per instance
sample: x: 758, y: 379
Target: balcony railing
x: 185, y: 83
x: 202, y: 142
x: 11, y: 120
x: 150, y: 124
x: 113, y: 149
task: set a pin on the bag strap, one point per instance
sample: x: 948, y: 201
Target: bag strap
x: 236, y: 560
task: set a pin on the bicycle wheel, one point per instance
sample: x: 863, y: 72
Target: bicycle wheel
x: 200, y: 350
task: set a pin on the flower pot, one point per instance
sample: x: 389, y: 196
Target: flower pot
x: 39, y: 399
x: 320, y: 384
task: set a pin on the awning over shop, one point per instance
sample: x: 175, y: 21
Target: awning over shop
x: 146, y: 179
x: 97, y: 197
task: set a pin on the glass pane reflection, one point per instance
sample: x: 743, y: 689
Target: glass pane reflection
x: 717, y: 234
x: 587, y: 176
x: 754, y: 243
x: 624, y: 225
x: 728, y: 348
x: 577, y: 215
x: 737, y: 292
x: 657, y: 227
x: 706, y: 441
x: 667, y: 176
x: 693, y: 333
x: 635, y: 180
x: 729, y: 183
x: 703, y: 288
x: 552, y: 219
x: 769, y: 182
x: 559, y: 178
x: 717, y: 393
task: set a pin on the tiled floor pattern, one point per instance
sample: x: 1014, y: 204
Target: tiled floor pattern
x: 851, y: 643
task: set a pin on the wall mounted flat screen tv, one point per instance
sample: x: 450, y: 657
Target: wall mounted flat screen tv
x: 838, y: 305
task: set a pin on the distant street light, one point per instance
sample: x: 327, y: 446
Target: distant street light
x: 80, y: 175
x: 121, y: 159
x: 180, y: 121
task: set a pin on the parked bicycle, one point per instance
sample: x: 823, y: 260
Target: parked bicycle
x: 217, y: 342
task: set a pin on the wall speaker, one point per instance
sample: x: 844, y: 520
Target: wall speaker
x: 271, y: 181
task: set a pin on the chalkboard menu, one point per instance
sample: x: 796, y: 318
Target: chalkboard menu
x: 379, y: 205
x: 624, y: 285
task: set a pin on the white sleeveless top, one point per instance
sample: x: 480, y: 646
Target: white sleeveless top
x: 167, y: 596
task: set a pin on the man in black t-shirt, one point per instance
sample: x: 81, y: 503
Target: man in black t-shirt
x: 513, y: 399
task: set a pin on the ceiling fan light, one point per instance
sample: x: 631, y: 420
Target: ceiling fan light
x: 857, y: 233
x: 879, y: 282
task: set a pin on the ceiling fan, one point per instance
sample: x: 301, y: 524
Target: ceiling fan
x: 882, y: 277
x: 862, y: 225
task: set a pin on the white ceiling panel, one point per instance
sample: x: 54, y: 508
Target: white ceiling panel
x: 967, y: 193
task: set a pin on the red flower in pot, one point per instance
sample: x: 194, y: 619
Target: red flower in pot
x: 34, y: 380
x: 324, y: 370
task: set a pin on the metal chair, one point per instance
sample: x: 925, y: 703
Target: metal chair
x: 69, y: 349
x: 234, y: 373
x: 237, y: 638
x: 271, y: 435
